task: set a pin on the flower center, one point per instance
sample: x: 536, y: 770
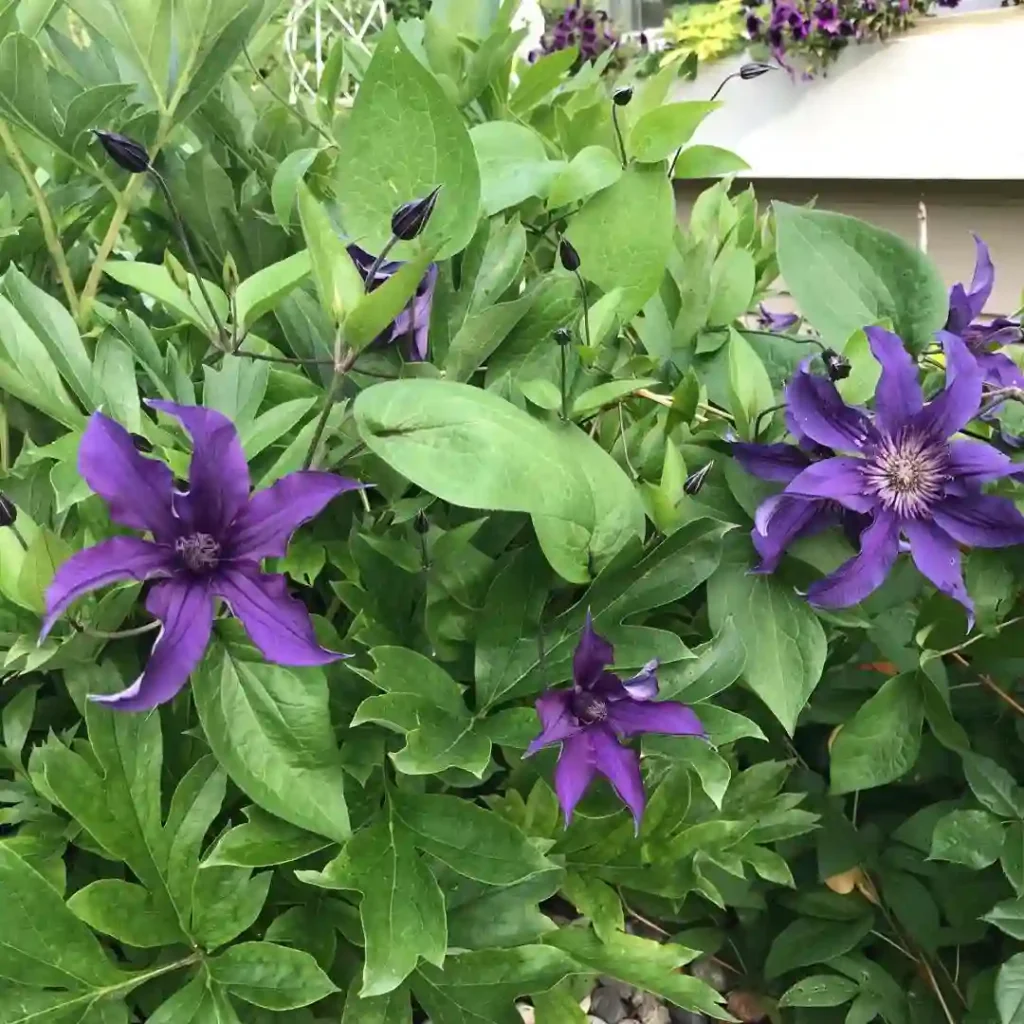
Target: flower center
x: 908, y: 473
x: 199, y: 551
x: 588, y: 708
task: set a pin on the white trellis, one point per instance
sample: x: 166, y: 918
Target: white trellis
x: 317, y: 23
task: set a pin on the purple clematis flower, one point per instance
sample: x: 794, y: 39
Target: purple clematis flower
x: 412, y: 325
x: 984, y: 339
x: 775, y: 322
x: 591, y: 717
x: 207, y: 542
x: 904, y: 471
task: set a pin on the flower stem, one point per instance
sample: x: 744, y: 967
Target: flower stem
x: 103, y: 634
x: 342, y: 366
x: 583, y: 300
x: 57, y: 253
x: 761, y: 415
x: 179, y: 224
x: 293, y: 360
x: 377, y: 263
x: 563, y: 383
x: 18, y: 536
x: 618, y: 135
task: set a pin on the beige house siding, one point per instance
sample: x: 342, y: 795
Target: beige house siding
x: 992, y: 209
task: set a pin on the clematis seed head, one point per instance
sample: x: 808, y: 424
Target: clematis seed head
x: 126, y: 153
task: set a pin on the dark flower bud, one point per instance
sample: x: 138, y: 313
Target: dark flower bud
x: 142, y: 444
x: 836, y: 366
x: 562, y: 335
x: 568, y: 255
x: 622, y: 96
x: 755, y: 69
x: 421, y: 524
x: 8, y: 511
x: 411, y: 218
x: 695, y: 481
x: 126, y: 153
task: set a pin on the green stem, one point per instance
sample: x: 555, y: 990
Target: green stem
x: 18, y: 535
x: 564, y: 383
x: 103, y: 634
x: 372, y: 275
x: 284, y: 103
x: 341, y: 368
x: 45, y: 217
x: 618, y: 136
x: 583, y: 299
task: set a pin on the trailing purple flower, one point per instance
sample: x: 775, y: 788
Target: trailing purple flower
x: 903, y: 470
x: 984, y: 339
x: 580, y: 26
x: 411, y: 328
x: 207, y: 543
x: 775, y: 322
x: 590, y: 718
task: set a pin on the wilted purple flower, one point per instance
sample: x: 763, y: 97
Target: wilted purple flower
x: 903, y: 471
x: 983, y: 340
x: 207, y: 542
x: 775, y: 322
x: 412, y: 325
x: 591, y: 717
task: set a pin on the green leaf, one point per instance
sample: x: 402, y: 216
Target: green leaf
x: 592, y: 169
x: 658, y: 133
x: 472, y: 841
x: 270, y: 727
x: 274, y: 977
x: 539, y: 79
x: 732, y: 287
x: 400, y: 99
x: 788, y: 645
x: 971, y: 838
x: 201, y: 1001
x: 227, y: 901
x: 17, y: 717
x: 338, y: 282
x: 392, y: 1008
x: 648, y: 966
x: 24, y: 90
x: 485, y: 916
x: 750, y: 388
x: 1010, y: 991
x: 289, y: 173
x: 154, y: 279
x: 993, y: 785
x: 810, y: 941
x: 259, y: 294
x: 881, y: 742
x: 272, y: 425
x: 846, y: 274
x: 543, y: 393
x: 114, y: 372
x: 1008, y: 917
x: 513, y: 165
x: 559, y: 1006
x: 261, y: 842
x: 716, y: 665
x: 125, y: 911
x: 46, y: 551
x: 593, y: 399
x: 1012, y: 856
x: 865, y: 370
x: 624, y: 235
x: 481, y: 333
x: 707, y: 162
x: 402, y: 910
x: 42, y: 943
x: 820, y: 990
x: 597, y: 901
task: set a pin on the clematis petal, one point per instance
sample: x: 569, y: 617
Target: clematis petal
x: 276, y: 622
x: 960, y: 315
x: 644, y: 685
x: 983, y: 280
x: 938, y: 558
x: 111, y: 561
x: 557, y: 721
x: 957, y: 404
x: 839, y: 479
x: 621, y: 767
x: 974, y: 462
x: 218, y: 476
x: 186, y: 611
x: 264, y: 526
x: 631, y: 718
x: 137, y: 490
x: 1000, y: 370
x: 591, y: 656
x: 866, y: 571
x: 898, y: 395
x: 574, y: 772
x: 981, y: 521
x: 781, y: 520
x: 779, y: 462
x: 816, y: 411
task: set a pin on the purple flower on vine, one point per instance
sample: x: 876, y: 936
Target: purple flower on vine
x: 207, y: 542
x: 775, y: 322
x: 598, y: 711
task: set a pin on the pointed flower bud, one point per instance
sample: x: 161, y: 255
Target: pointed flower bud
x: 8, y: 511
x: 568, y: 255
x: 229, y: 274
x: 562, y: 335
x: 142, y: 444
x: 421, y: 524
x: 409, y: 220
x: 755, y: 69
x: 622, y: 95
x: 836, y: 366
x: 695, y: 481
x: 126, y: 153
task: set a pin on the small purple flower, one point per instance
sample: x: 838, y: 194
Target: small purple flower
x: 207, y: 543
x: 775, y: 322
x: 904, y: 471
x: 984, y: 339
x: 599, y: 710
x: 412, y: 326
